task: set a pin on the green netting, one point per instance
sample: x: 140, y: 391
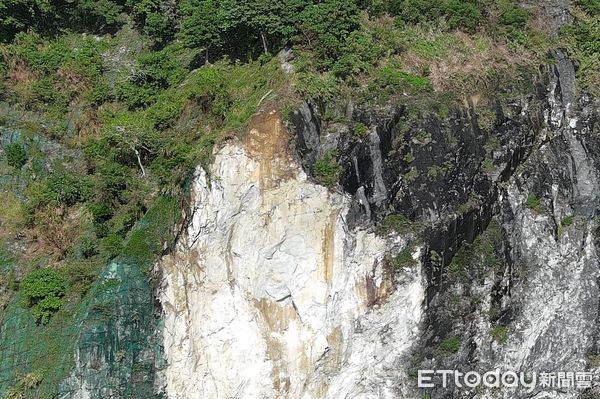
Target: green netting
x: 106, y: 345
x: 29, y: 352
x: 114, y: 348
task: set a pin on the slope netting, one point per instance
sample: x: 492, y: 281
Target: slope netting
x: 103, y: 347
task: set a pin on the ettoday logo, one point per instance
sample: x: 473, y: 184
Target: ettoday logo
x: 506, y: 379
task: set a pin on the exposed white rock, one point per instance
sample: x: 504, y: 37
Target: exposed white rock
x: 270, y: 295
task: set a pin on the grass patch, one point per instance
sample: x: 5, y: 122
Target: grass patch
x: 327, y: 170
x: 564, y: 223
x: 434, y: 171
x: 488, y: 165
x: 411, y: 175
x: 408, y: 157
x: 449, y: 346
x: 403, y: 260
x: 481, y: 252
x: 534, y: 203
x: 567, y: 221
x: 360, y: 130
x: 398, y: 224
x: 500, y: 334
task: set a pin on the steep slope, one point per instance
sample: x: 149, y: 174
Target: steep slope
x: 266, y: 293
x: 281, y: 289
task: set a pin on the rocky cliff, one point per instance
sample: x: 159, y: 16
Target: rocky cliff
x: 282, y: 288
x: 323, y: 224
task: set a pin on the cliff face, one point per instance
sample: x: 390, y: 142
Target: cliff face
x: 269, y: 292
x: 281, y: 288
x: 331, y: 253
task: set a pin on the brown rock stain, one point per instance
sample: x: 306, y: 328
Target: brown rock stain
x: 331, y: 362
x: 335, y: 339
x: 378, y: 294
x: 184, y: 266
x: 329, y: 247
x: 276, y: 318
x: 267, y: 141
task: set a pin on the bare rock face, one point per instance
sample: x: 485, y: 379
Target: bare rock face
x: 279, y: 288
x: 270, y: 294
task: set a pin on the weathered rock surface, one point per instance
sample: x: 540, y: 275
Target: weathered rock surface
x: 281, y: 289
x: 270, y: 294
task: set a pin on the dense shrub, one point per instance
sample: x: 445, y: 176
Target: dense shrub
x: 42, y: 291
x: 15, y: 155
x: 327, y: 170
x: 500, y: 334
x: 415, y: 11
x: 59, y: 189
x: 463, y: 14
x: 591, y: 6
x: 51, y: 16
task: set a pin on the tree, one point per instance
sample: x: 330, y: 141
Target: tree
x: 155, y: 17
x: 204, y: 23
x: 326, y: 25
x: 271, y: 19
x: 50, y: 16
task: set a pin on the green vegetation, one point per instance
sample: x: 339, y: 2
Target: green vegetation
x: 564, y: 223
x: 567, y: 221
x: 434, y: 171
x: 408, y: 157
x: 411, y: 175
x: 43, y: 291
x: 360, y: 130
x: 399, y: 224
x: 23, y: 384
x: 327, y: 170
x: 581, y: 38
x: 403, y: 260
x: 500, y: 334
x: 449, y: 346
x: 534, y: 203
x: 15, y: 155
x: 148, y: 238
x: 488, y: 165
x: 481, y: 252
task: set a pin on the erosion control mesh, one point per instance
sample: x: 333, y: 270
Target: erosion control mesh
x: 107, y: 345
x: 106, y: 349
